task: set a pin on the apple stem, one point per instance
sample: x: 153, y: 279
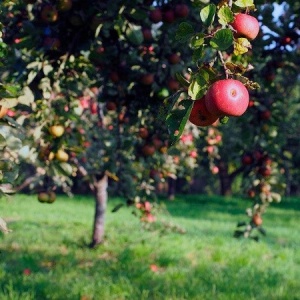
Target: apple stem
x: 223, y: 63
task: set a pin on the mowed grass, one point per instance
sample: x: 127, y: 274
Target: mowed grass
x: 46, y: 254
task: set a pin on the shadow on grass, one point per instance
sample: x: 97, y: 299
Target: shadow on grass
x: 201, y: 205
x: 127, y: 275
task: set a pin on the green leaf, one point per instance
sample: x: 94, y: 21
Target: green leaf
x: 177, y: 120
x: 244, y: 3
x: 182, y: 80
x: 197, y: 40
x: 2, y: 141
x: 134, y: 34
x: 184, y: 32
x: 225, y: 15
x: 207, y: 14
x: 197, y: 88
x: 222, y: 40
x: 167, y: 105
x: 3, y: 50
x: 198, y: 54
x: 138, y: 14
x: 9, y: 91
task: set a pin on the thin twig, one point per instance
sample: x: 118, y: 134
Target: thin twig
x: 223, y: 63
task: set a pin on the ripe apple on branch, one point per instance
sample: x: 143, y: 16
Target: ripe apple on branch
x: 217, y: 77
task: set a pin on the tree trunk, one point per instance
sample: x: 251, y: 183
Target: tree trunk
x: 225, y: 180
x: 100, y: 192
x: 171, y: 187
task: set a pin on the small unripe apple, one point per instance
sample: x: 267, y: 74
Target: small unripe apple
x: 227, y: 97
x: 200, y: 116
x: 245, y: 26
x: 62, y: 156
x: 57, y: 130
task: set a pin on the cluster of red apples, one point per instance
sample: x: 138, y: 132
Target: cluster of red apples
x: 226, y: 97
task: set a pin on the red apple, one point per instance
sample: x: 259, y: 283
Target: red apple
x: 265, y: 171
x: 147, y: 79
x: 148, y: 150
x: 265, y: 115
x: 200, y: 116
x: 94, y: 108
x: 247, y: 160
x: 111, y: 106
x: 174, y: 58
x: 147, y: 34
x: 173, y: 84
x: 155, y: 15
x: 257, y: 219
x: 168, y: 16
x: 245, y: 26
x: 181, y: 10
x: 227, y: 97
x: 143, y: 132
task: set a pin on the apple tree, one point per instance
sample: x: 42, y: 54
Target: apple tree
x: 95, y: 76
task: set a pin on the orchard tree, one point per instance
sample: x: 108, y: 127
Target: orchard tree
x: 98, y: 73
x: 99, y: 79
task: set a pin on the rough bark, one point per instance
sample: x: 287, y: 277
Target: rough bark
x: 100, y: 193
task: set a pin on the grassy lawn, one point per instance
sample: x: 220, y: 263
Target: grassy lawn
x: 45, y: 257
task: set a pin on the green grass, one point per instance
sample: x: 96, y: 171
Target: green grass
x: 204, y: 263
